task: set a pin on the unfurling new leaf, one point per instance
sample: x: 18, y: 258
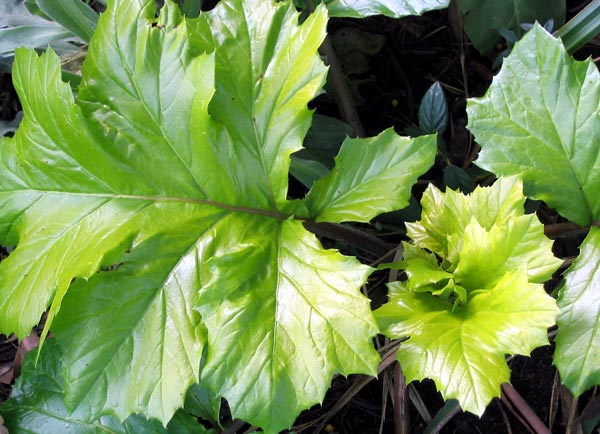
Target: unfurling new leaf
x: 473, y: 292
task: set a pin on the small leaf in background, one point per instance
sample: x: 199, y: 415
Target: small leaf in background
x: 19, y: 27
x: 73, y: 15
x: 7, y: 127
x: 202, y: 403
x: 321, y: 145
x: 483, y: 300
x: 457, y: 178
x: 483, y: 19
x: 390, y: 8
x: 371, y: 176
x: 578, y: 340
x: 433, y: 111
x: 540, y: 120
x: 190, y: 8
x: 307, y: 171
x: 324, y: 138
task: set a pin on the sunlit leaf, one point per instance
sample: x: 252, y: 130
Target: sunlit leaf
x: 150, y: 215
x: 578, y: 339
x: 475, y: 295
x: 540, y: 120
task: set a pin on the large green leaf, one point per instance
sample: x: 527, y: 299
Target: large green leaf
x: 577, y: 353
x: 36, y: 406
x: 540, y: 119
x: 390, y: 8
x: 150, y: 214
x: 483, y: 18
x: 481, y: 300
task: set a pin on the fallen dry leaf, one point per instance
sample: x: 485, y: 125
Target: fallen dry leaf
x: 26, y: 345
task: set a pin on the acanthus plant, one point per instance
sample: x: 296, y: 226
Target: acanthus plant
x: 149, y: 215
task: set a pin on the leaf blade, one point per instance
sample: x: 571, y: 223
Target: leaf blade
x: 390, y: 8
x: 552, y: 140
x: 477, y: 298
x: 371, y: 176
x: 292, y: 358
x: 577, y: 340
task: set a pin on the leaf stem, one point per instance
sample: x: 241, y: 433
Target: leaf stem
x: 234, y: 426
x: 343, y: 95
x: 356, y: 238
x: 558, y: 229
x: 509, y: 393
x: 401, y: 418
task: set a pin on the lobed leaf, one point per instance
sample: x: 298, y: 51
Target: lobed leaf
x: 463, y: 350
x: 540, y: 118
x: 371, y: 176
x: 390, y: 8
x: 577, y: 354
x: 149, y: 213
x: 36, y: 406
x: 474, y: 295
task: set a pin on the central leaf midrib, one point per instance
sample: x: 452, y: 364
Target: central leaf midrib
x: 276, y: 214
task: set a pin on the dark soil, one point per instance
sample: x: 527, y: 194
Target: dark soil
x: 387, y: 87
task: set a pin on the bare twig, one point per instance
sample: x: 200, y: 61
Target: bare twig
x: 558, y: 229
x: 535, y: 423
x: 401, y: 419
x: 362, y: 240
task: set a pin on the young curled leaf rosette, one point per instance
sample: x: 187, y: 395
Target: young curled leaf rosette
x: 474, y: 291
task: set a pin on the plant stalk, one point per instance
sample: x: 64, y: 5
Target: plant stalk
x: 509, y: 393
x: 343, y: 95
x: 359, y: 239
x: 401, y: 418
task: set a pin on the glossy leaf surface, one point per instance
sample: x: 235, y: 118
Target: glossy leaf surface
x: 433, y: 110
x: 540, y: 119
x: 150, y: 213
x: 36, y: 406
x: 578, y: 340
x: 483, y: 299
x: 390, y: 8
x: 371, y: 176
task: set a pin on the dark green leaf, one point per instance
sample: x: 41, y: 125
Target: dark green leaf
x: 73, y: 15
x: 433, y: 111
x: 36, y: 406
x: 457, y: 178
x: 484, y: 18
